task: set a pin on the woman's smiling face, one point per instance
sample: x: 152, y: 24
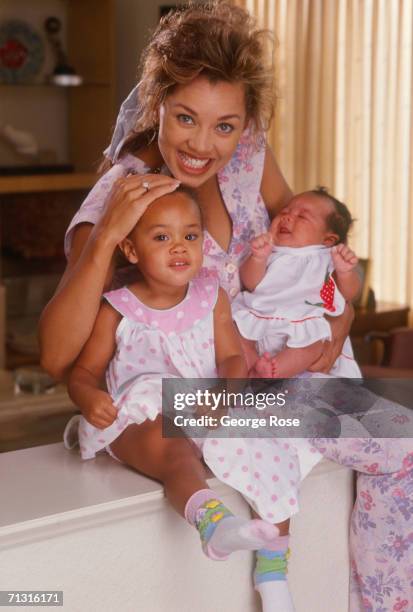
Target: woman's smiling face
x: 200, y: 125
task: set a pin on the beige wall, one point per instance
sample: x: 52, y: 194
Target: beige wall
x: 134, y: 21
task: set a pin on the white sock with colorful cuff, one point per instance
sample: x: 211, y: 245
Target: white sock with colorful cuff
x: 223, y: 533
x: 270, y: 577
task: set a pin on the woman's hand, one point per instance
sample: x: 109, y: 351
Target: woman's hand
x: 340, y: 328
x: 128, y: 200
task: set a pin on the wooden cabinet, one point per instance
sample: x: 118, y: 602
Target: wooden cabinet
x: 89, y: 115
x: 90, y: 108
x: 383, y: 318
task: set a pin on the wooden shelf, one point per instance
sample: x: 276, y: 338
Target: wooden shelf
x: 85, y: 118
x: 54, y: 86
x: 384, y: 317
x: 19, y: 360
x: 47, y: 182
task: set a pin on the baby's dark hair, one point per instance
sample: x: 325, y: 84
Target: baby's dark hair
x: 340, y: 220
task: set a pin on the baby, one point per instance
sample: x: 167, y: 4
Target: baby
x: 297, y: 272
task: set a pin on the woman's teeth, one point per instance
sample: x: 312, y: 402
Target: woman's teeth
x: 193, y: 162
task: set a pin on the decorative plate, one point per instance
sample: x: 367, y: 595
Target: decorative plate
x: 21, y: 52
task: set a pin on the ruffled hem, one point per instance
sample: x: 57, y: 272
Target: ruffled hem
x: 93, y: 440
x: 298, y: 333
x: 142, y: 401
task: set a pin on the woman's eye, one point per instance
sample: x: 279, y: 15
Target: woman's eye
x: 187, y: 119
x: 161, y: 237
x: 225, y: 128
x: 191, y: 236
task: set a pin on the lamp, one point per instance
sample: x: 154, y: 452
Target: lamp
x: 63, y: 75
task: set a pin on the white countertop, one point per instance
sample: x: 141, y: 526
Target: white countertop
x: 48, y: 480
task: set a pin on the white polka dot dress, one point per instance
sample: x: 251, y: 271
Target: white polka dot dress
x: 153, y: 344
x: 178, y: 342
x: 267, y: 471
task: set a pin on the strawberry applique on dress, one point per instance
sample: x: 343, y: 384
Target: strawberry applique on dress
x: 326, y: 293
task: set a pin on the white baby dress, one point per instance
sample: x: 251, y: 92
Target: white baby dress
x: 288, y: 307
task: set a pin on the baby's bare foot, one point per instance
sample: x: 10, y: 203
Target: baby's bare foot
x: 263, y: 366
x: 275, y: 368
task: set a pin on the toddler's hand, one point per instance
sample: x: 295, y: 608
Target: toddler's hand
x: 98, y: 409
x: 344, y: 258
x: 261, y: 246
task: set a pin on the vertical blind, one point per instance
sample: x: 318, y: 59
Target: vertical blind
x: 343, y: 119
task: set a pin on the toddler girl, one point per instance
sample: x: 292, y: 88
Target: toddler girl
x: 289, y: 277
x: 170, y: 324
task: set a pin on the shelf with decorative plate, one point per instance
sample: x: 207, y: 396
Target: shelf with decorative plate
x: 72, y: 126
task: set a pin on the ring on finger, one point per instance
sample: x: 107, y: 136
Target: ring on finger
x: 146, y: 186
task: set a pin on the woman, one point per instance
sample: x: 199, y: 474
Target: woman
x: 206, y: 98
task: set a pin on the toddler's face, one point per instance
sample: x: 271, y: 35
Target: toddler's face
x: 303, y: 222
x: 167, y: 241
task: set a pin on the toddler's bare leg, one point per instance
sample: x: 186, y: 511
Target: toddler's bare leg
x: 172, y: 461
x: 284, y: 527
x: 292, y: 361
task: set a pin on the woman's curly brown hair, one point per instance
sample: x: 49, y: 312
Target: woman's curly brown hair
x: 217, y: 40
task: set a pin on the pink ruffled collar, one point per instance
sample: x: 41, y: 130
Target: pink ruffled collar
x: 198, y: 303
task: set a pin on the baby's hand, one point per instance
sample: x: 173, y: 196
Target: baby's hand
x: 98, y: 409
x: 261, y: 246
x: 344, y: 258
